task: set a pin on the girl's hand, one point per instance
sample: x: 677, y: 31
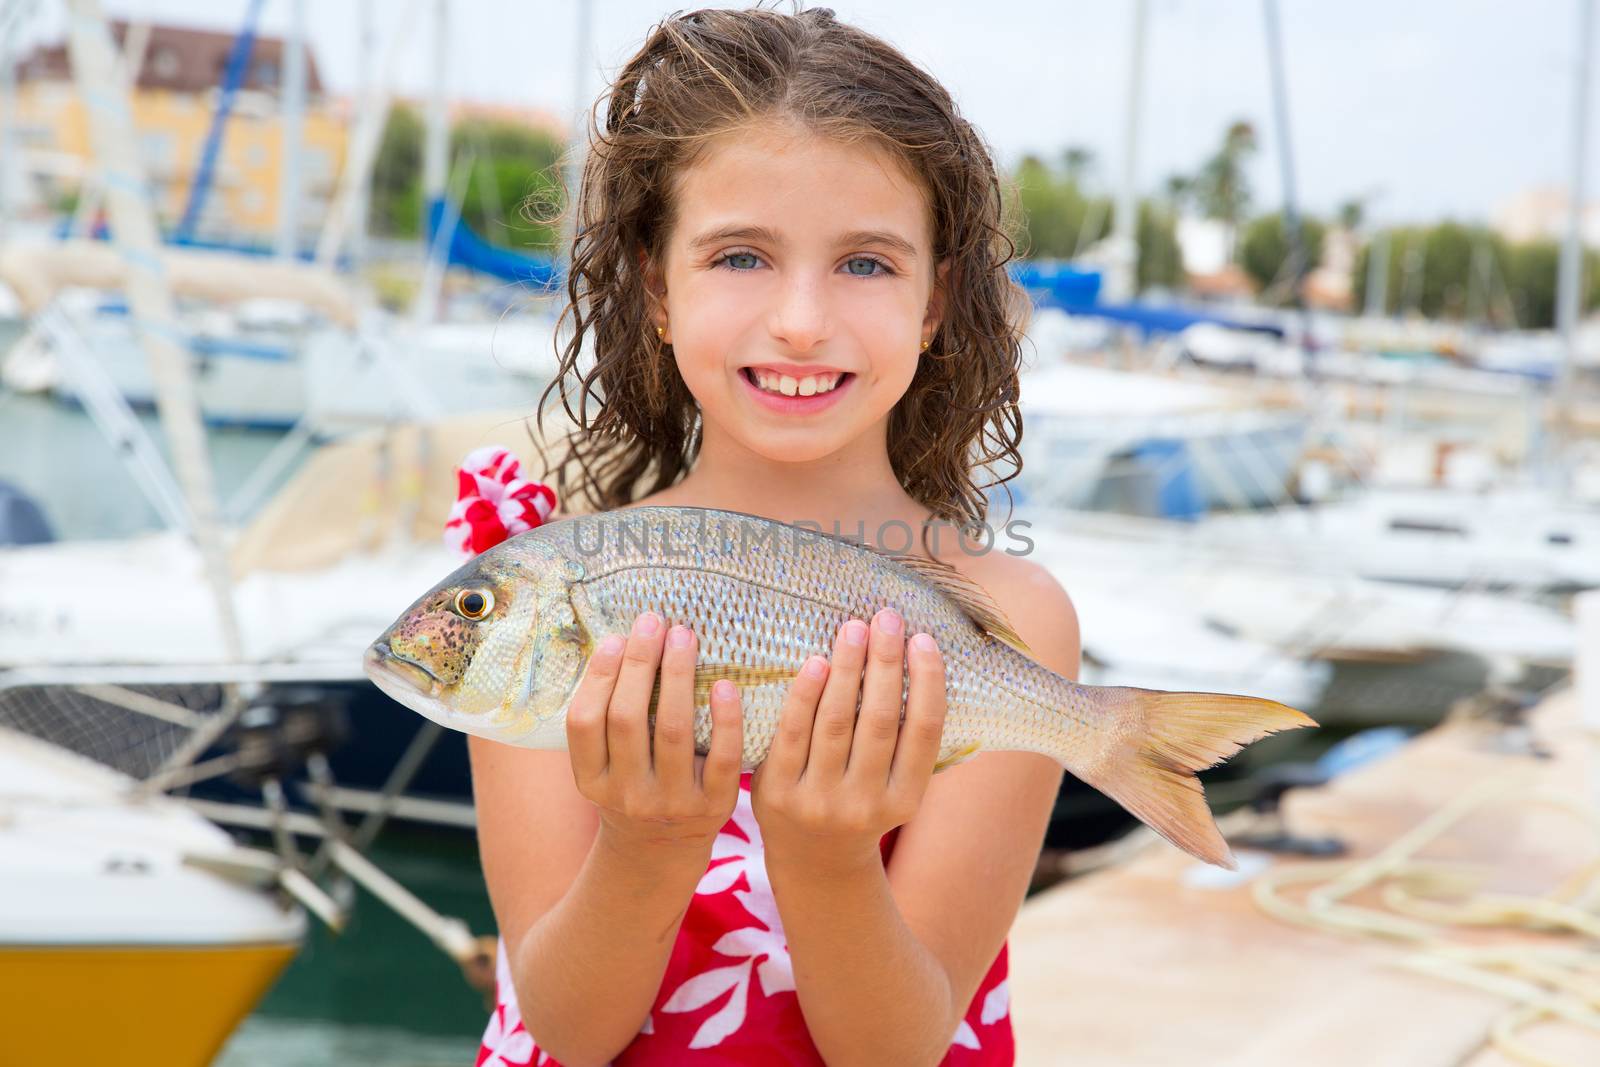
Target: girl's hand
x: 653, y: 791
x: 835, y: 782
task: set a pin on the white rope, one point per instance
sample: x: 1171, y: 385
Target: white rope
x: 1426, y: 898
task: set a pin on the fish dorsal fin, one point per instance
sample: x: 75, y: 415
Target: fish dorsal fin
x: 969, y: 596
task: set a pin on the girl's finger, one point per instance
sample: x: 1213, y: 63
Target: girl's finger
x: 627, y: 717
x: 790, y: 748
x: 720, y: 772
x: 836, y: 710
x: 921, y: 734
x: 882, y: 698
x: 586, y: 715
x: 672, y: 751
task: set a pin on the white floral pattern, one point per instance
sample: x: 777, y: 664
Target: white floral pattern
x: 996, y: 1003
x: 507, y: 1043
x: 765, y: 942
x: 741, y: 960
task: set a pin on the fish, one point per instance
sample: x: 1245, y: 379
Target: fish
x: 498, y: 648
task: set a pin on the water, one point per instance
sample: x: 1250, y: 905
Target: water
x: 56, y: 455
x: 380, y: 994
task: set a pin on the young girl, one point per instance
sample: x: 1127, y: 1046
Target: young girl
x: 791, y: 262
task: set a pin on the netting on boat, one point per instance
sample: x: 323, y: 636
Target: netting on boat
x: 135, y: 729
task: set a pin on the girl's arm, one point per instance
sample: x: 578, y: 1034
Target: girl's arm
x: 592, y: 858
x: 887, y: 963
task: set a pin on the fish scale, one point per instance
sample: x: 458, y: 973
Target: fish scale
x: 762, y: 596
x: 759, y: 604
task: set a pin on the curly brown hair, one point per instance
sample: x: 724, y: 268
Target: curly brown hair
x: 703, y: 74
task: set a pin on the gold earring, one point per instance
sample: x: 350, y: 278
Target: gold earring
x: 925, y: 345
x: 661, y: 333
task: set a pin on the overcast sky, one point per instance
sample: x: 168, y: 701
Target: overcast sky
x: 1448, y: 107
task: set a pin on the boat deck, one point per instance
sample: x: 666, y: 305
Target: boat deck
x: 1162, y: 960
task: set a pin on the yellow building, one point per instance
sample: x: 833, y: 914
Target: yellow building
x: 175, y: 95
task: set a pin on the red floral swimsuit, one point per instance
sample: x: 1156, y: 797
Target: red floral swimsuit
x: 728, y: 994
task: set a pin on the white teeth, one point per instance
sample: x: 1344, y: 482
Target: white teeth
x: 810, y: 385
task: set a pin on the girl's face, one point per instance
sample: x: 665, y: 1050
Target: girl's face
x: 799, y: 286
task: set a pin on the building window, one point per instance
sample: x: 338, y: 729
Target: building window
x: 157, y: 147
x: 164, y: 63
x: 318, y: 167
x: 1426, y: 526
x: 266, y: 74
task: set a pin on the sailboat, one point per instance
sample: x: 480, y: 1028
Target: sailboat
x: 127, y: 911
x: 123, y: 897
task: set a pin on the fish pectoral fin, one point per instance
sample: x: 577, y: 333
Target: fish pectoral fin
x: 960, y: 755
x: 708, y: 674
x: 745, y: 677
x: 972, y: 598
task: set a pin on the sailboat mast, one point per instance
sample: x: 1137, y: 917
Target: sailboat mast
x: 362, y: 207
x: 361, y: 152
x: 573, y: 175
x: 1378, y: 275
x: 436, y: 147
x: 1123, y: 277
x: 435, y: 176
x: 1569, y: 280
x: 292, y: 97
x: 133, y: 225
x: 8, y: 156
x: 1291, y: 208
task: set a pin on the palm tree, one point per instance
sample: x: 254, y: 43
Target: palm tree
x: 1222, y: 186
x: 1352, y: 213
x: 1077, y: 161
x: 1179, y: 187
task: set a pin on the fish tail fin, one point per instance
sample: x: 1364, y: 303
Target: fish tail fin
x: 1151, y: 770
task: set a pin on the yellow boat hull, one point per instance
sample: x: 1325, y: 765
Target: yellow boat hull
x: 136, y: 1006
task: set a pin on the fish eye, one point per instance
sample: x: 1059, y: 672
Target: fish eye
x: 474, y: 603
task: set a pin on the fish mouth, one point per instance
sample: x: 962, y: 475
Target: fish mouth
x: 383, y: 664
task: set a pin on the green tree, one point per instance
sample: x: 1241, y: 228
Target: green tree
x: 1531, y: 271
x: 1352, y: 213
x: 1450, y: 270
x: 1160, y: 258
x: 1222, y: 187
x: 1076, y: 161
x: 1264, y: 251
x: 396, y: 205
x: 514, y: 190
x: 1055, y: 211
x: 1058, y: 220
x: 1179, y: 188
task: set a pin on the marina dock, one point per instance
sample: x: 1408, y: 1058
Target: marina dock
x: 1161, y: 961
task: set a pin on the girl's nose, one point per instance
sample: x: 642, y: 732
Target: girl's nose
x: 801, y: 317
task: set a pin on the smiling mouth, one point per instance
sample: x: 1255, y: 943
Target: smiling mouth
x: 784, y: 385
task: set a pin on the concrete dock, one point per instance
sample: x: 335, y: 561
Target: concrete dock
x: 1161, y: 960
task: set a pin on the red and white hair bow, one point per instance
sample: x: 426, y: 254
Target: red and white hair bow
x: 493, y: 502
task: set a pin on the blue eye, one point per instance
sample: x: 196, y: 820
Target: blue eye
x: 728, y: 261
x: 882, y: 267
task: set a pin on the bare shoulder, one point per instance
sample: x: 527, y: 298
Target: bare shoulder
x: 1039, y: 607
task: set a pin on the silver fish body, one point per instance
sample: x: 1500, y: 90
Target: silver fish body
x: 762, y: 597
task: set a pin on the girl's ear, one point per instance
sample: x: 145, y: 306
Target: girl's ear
x: 936, y: 299
x: 655, y: 289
